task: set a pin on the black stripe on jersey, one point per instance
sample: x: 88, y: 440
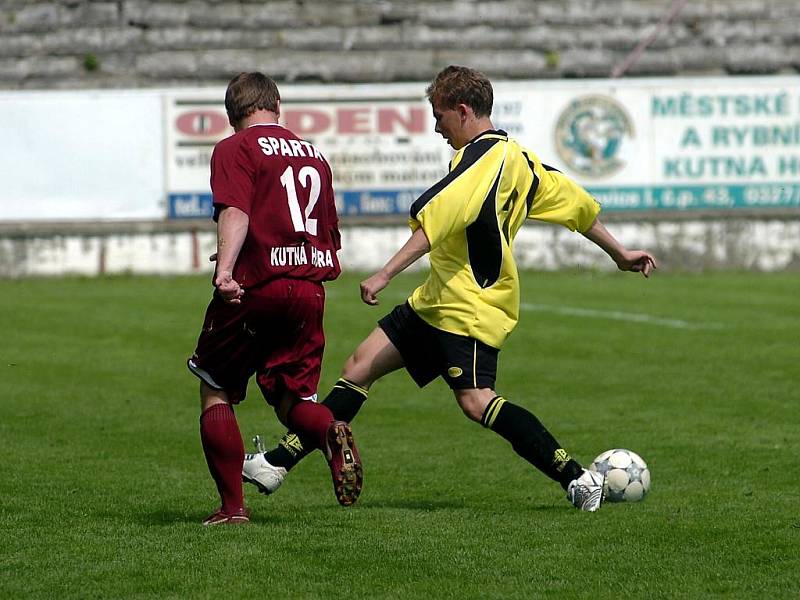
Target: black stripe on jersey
x: 484, y: 245
x: 472, y: 153
x: 512, y: 197
x: 549, y: 168
x: 535, y: 184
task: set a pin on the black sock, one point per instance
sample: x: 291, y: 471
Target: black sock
x: 344, y: 401
x: 530, y: 440
x: 288, y: 452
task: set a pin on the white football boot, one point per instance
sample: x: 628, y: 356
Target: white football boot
x: 258, y: 471
x: 587, y: 491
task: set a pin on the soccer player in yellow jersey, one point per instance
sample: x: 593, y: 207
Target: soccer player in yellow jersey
x: 455, y: 323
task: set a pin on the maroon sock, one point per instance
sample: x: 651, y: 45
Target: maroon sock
x: 224, y: 450
x: 311, y: 421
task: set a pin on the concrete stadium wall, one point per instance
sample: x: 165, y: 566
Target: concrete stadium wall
x: 685, y: 245
x: 146, y: 43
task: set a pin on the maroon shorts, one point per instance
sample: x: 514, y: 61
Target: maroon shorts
x: 275, y: 333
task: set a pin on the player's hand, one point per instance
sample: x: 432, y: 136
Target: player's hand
x: 228, y: 287
x: 637, y: 261
x: 371, y: 286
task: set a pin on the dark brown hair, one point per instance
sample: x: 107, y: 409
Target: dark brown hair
x: 462, y: 85
x: 249, y: 92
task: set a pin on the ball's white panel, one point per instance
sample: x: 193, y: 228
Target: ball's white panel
x: 620, y: 459
x: 617, y: 479
x: 634, y: 492
x: 645, y: 477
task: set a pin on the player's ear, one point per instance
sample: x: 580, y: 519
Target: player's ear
x: 277, y: 109
x: 464, y: 111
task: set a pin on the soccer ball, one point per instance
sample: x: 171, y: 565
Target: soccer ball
x: 627, y: 475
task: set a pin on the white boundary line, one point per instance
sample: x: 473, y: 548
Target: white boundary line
x: 389, y: 298
x: 616, y: 315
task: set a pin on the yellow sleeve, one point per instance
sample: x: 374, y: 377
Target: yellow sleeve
x: 455, y: 202
x: 560, y: 200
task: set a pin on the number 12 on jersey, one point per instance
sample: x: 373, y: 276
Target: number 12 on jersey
x: 307, y: 175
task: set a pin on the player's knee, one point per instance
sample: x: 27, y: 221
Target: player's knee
x: 471, y: 413
x: 473, y: 402
x: 471, y: 407
x: 210, y: 396
x: 349, y: 364
x: 283, y: 407
x: 357, y: 370
x: 350, y: 368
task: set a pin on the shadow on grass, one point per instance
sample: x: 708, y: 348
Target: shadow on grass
x: 555, y: 506
x: 472, y: 504
x: 420, y: 505
x: 163, y: 517
x: 431, y: 506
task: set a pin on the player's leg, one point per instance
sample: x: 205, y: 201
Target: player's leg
x: 375, y: 357
x: 268, y: 469
x: 532, y: 441
x: 292, y: 369
x: 470, y: 369
x: 317, y: 427
x: 402, y: 339
x: 224, y: 452
x: 529, y: 438
x: 308, y: 418
x: 221, y: 362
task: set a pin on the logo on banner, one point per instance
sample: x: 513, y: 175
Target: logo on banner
x: 591, y: 135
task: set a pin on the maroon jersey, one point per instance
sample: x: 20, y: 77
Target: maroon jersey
x: 284, y: 185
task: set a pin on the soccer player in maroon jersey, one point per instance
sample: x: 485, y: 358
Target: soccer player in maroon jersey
x: 277, y: 237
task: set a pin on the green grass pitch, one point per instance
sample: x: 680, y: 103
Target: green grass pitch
x: 103, y: 483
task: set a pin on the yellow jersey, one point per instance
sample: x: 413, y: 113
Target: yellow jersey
x: 471, y: 218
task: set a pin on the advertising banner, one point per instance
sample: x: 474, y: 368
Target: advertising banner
x: 379, y: 142
x: 89, y: 155
x: 637, y: 145
x: 670, y: 144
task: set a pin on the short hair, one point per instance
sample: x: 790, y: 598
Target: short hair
x: 462, y: 85
x: 249, y: 92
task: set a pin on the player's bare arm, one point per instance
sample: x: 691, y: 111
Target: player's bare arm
x: 638, y: 261
x: 231, y: 232
x: 414, y: 249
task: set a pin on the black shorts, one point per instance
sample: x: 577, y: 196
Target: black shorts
x: 428, y: 352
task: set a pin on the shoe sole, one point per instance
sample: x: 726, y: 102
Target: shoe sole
x: 347, y: 483
x: 229, y: 520
x: 261, y: 488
